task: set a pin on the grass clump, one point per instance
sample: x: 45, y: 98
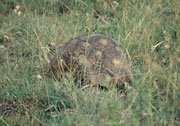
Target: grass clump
x: 149, y: 33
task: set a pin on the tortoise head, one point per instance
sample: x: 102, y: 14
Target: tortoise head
x: 57, y: 59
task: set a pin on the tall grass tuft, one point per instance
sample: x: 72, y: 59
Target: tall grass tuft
x: 149, y: 33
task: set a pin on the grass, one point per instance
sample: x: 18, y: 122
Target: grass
x: 149, y: 33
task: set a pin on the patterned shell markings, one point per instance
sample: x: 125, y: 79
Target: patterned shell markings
x: 99, y: 56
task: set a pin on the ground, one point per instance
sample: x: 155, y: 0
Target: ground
x: 148, y: 32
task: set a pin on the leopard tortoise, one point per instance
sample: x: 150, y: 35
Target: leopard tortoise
x: 96, y: 59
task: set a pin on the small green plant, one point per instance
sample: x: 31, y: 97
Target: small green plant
x: 148, y: 31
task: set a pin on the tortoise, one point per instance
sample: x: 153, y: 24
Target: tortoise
x: 96, y: 59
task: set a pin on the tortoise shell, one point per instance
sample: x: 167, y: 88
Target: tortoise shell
x: 97, y: 57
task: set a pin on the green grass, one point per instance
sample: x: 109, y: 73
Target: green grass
x: 149, y: 33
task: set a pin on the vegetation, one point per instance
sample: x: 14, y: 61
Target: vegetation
x: 149, y: 33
